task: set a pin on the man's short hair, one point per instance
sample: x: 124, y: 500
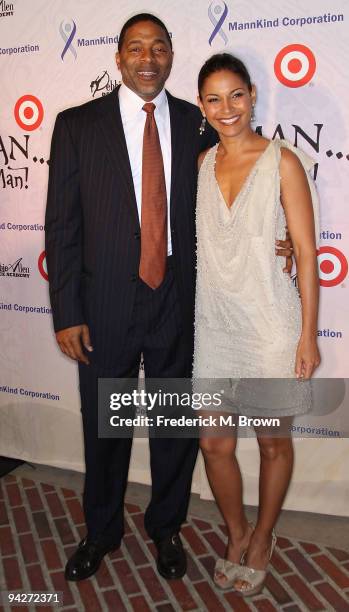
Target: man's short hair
x: 137, y: 19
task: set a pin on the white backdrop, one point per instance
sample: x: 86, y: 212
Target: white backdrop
x: 55, y: 54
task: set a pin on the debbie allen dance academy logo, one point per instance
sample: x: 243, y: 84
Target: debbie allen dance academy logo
x: 103, y: 84
x: 6, y: 9
x: 333, y: 266
x: 16, y: 269
x: 295, y: 65
x: 28, y: 112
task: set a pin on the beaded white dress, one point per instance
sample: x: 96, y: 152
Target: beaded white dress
x: 248, y: 311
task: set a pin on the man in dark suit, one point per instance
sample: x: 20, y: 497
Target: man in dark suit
x: 122, y: 276
x: 105, y: 314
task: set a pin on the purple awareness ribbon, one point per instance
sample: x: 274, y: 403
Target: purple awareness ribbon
x: 217, y: 23
x: 68, y: 32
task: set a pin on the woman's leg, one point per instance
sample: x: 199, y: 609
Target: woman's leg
x: 275, y: 474
x: 224, y: 476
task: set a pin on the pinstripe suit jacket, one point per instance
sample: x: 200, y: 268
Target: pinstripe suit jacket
x: 92, y: 225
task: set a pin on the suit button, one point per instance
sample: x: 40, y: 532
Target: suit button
x: 137, y: 235
x: 134, y: 277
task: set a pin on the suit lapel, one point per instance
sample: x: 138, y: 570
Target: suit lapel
x: 111, y: 128
x: 177, y: 144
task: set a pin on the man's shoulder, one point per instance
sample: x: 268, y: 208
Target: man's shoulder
x: 89, y: 110
x: 193, y: 121
x: 183, y: 105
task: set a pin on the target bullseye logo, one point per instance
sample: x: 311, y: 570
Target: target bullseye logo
x: 333, y: 266
x: 29, y: 112
x: 295, y: 65
x: 42, y: 265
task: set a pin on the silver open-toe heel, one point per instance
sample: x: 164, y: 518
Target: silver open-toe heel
x: 255, y: 578
x: 229, y: 570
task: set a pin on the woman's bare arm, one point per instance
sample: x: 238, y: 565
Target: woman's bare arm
x: 296, y: 200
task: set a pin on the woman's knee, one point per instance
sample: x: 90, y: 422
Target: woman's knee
x: 213, y: 447
x: 274, y: 448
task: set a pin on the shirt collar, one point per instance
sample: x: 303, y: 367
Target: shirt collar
x: 131, y: 104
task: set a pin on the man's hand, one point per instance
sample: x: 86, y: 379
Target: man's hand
x: 73, y: 340
x: 284, y: 248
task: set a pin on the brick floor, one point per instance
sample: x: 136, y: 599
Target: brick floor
x: 40, y: 525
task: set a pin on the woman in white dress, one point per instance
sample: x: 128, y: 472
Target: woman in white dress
x: 250, y: 322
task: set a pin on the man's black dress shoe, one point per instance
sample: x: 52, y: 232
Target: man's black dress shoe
x: 86, y: 560
x: 171, y: 561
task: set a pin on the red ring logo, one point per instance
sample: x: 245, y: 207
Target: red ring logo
x: 333, y: 266
x: 28, y: 113
x: 42, y: 265
x: 295, y: 65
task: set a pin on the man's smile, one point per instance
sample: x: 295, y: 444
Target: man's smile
x: 147, y: 75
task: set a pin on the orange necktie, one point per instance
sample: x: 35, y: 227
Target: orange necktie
x: 152, y: 265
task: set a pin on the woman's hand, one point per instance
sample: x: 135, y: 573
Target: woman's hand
x: 307, y: 357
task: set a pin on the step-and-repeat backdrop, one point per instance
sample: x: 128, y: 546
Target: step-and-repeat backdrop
x: 55, y: 54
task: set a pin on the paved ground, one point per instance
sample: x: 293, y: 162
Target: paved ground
x: 41, y: 523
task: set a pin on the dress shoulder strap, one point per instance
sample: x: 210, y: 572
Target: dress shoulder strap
x: 209, y: 158
x: 308, y: 164
x: 305, y: 159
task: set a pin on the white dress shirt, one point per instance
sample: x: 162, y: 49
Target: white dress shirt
x: 133, y: 121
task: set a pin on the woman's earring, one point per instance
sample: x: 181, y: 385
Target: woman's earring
x: 202, y: 126
x: 253, y: 114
